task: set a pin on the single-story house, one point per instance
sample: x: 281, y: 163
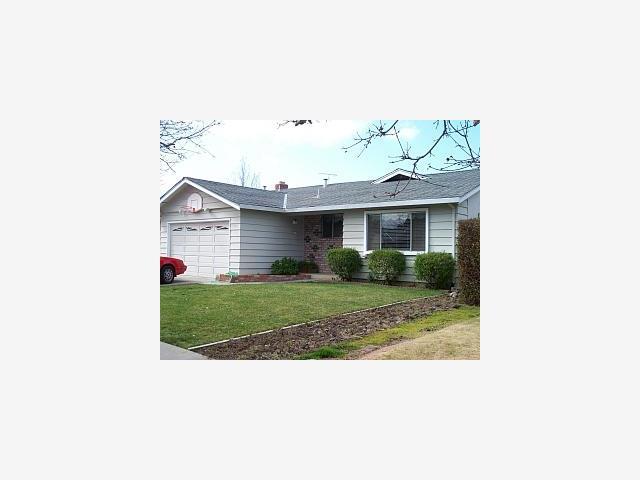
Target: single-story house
x: 216, y: 228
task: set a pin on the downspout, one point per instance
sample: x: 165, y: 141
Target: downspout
x: 453, y: 236
x: 453, y: 228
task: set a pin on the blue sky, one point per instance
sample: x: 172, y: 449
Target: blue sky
x: 298, y: 155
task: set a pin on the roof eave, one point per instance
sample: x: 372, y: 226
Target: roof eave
x: 244, y: 206
x: 470, y: 193
x: 356, y: 206
x: 186, y: 181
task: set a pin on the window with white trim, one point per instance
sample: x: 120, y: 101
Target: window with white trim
x: 331, y: 225
x: 404, y: 231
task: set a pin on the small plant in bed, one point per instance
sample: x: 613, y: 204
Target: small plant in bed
x: 285, y: 266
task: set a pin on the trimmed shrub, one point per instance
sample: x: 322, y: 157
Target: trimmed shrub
x: 307, y: 266
x: 469, y: 261
x: 344, y: 262
x: 436, y: 269
x: 285, y: 266
x: 386, y: 265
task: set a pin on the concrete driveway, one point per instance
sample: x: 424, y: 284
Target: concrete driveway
x: 189, y: 280
x: 171, y: 352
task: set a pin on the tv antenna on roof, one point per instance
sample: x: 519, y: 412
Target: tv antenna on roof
x: 327, y: 175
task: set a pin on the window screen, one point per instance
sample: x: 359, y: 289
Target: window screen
x: 396, y: 230
x: 373, y: 231
x: 418, y: 231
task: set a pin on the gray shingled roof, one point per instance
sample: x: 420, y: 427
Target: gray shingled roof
x: 439, y: 185
x: 243, y: 195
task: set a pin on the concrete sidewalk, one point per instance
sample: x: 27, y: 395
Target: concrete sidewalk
x: 171, y: 352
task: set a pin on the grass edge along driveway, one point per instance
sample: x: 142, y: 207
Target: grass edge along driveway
x: 193, y: 315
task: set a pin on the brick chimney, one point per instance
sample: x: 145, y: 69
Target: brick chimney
x: 281, y: 185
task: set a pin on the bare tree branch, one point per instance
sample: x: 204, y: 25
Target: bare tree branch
x: 245, y: 176
x: 456, y: 132
x: 374, y: 131
x: 176, y: 136
x: 295, y: 123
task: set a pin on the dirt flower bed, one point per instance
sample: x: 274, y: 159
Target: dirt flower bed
x: 291, y: 342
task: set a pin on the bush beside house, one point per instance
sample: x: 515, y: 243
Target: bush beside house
x: 469, y: 261
x: 285, y: 266
x: 344, y: 262
x: 436, y: 269
x: 386, y: 265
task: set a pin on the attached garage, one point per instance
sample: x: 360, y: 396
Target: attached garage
x: 202, y: 246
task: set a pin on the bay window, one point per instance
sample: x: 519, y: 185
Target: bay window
x: 404, y: 231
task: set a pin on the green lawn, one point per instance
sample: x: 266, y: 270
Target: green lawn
x: 196, y: 314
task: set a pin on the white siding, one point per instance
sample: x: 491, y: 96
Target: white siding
x: 441, y: 220
x: 441, y: 228
x: 264, y: 237
x: 474, y: 205
x: 213, y: 210
x: 463, y: 210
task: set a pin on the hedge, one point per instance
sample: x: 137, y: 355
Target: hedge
x: 469, y: 261
x: 344, y: 262
x: 436, y: 269
x: 386, y: 265
x: 285, y: 266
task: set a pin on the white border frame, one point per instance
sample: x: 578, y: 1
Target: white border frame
x: 201, y: 220
x: 410, y: 210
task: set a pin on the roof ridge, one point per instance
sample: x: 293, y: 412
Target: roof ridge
x: 374, y: 179
x: 322, y: 186
x: 231, y: 185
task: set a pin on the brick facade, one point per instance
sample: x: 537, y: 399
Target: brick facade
x: 316, y: 247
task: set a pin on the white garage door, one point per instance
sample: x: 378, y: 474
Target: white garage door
x: 203, y: 247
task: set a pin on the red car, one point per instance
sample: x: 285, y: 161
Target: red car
x: 170, y: 267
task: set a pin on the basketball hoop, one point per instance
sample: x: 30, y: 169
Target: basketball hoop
x: 193, y: 205
x: 187, y: 210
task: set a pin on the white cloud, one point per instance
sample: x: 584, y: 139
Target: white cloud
x: 274, y: 153
x: 408, y: 133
